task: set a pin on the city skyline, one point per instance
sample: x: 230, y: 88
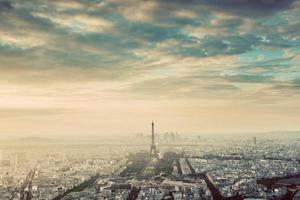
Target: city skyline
x: 88, y: 68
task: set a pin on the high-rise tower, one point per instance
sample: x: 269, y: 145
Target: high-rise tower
x: 153, y: 151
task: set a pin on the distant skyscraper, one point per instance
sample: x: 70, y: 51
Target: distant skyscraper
x: 153, y: 151
x: 254, y: 140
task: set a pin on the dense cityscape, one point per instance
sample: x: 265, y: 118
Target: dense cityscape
x: 176, y: 167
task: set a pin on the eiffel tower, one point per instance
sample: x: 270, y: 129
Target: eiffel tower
x: 153, y: 150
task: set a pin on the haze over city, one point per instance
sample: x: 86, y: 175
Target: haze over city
x: 149, y: 99
x: 90, y: 68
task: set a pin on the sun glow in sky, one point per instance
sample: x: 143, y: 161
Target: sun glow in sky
x: 111, y: 66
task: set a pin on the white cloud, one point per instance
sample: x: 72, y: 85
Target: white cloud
x: 78, y: 23
x: 139, y: 10
x: 62, y: 5
x: 22, y: 40
x: 186, y: 14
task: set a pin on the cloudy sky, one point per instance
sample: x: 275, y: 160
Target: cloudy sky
x: 111, y: 66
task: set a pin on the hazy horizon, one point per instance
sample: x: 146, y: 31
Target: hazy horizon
x: 105, y: 137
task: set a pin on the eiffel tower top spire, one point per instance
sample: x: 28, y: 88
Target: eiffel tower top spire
x: 152, y: 138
